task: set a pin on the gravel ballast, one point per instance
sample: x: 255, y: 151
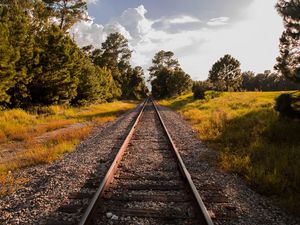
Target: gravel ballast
x: 41, y: 200
x: 45, y: 199
x: 247, y: 206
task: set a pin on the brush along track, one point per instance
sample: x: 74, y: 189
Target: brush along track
x: 147, y: 183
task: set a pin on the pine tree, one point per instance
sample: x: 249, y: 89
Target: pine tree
x: 67, y: 11
x: 288, y: 63
x: 8, y: 57
x: 55, y: 81
x: 115, y: 55
x: 22, y: 39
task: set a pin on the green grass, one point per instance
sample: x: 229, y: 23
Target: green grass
x: 252, y: 139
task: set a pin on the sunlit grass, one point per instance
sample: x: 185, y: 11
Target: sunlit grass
x: 21, y: 128
x: 252, y: 139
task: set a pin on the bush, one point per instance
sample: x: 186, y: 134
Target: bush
x: 288, y: 105
x: 208, y: 95
x: 199, y: 88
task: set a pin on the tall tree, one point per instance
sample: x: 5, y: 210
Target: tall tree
x: 288, y: 63
x: 8, y: 57
x: 55, y: 81
x: 22, y: 39
x: 134, y: 86
x: 225, y: 74
x: 162, y: 60
x: 115, y: 55
x: 67, y: 11
x: 167, y: 78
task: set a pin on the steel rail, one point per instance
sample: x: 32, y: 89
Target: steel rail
x: 186, y: 175
x: 110, y: 173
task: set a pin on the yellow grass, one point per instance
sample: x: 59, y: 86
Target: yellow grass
x: 252, y: 139
x: 20, y: 128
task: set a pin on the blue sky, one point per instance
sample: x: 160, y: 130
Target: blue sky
x: 104, y: 10
x: 199, y: 32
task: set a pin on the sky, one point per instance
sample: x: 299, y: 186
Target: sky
x: 199, y: 32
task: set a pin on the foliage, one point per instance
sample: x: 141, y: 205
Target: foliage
x: 8, y: 57
x: 288, y: 63
x: 288, y: 105
x: 68, y: 12
x: 17, y: 39
x: 42, y: 65
x: 225, y: 74
x: 134, y: 86
x: 115, y: 55
x: 251, y: 138
x: 267, y: 81
x: 199, y: 88
x: 162, y: 60
x: 55, y: 80
x: 167, y: 78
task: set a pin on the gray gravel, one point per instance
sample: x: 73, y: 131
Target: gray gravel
x: 43, y: 198
x: 49, y: 186
x: 244, y: 205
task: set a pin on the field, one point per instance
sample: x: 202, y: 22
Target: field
x: 252, y: 140
x: 43, y: 135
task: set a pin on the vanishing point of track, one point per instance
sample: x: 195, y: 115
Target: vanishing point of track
x: 147, y: 183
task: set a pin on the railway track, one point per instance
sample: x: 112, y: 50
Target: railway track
x: 147, y: 183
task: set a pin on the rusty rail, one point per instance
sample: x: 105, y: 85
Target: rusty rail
x: 203, y: 214
x: 186, y: 175
x: 110, y: 173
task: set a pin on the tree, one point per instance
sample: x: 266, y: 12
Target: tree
x: 22, y: 40
x: 166, y: 76
x: 8, y: 57
x: 178, y: 82
x: 199, y: 88
x: 267, y: 81
x: 134, y: 86
x: 248, y: 79
x: 115, y: 55
x: 225, y: 74
x: 162, y: 60
x: 17, y: 38
x: 67, y: 11
x: 56, y: 77
x: 288, y: 63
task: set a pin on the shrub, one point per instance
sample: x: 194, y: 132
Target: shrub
x: 288, y: 105
x: 208, y: 95
x: 199, y: 88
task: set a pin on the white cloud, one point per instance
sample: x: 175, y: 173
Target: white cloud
x: 88, y: 33
x: 91, y: 1
x: 253, y: 41
x: 184, y: 19
x: 218, y: 21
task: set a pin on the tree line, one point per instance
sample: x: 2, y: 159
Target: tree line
x: 40, y: 64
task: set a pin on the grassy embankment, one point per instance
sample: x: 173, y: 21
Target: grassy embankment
x: 252, y: 139
x: 36, y: 138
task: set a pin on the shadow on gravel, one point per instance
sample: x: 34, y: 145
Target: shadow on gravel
x: 77, y: 202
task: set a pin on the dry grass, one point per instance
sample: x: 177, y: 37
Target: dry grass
x: 252, y: 139
x: 20, y: 128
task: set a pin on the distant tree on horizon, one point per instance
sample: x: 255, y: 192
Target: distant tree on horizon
x: 225, y: 74
x: 167, y: 77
